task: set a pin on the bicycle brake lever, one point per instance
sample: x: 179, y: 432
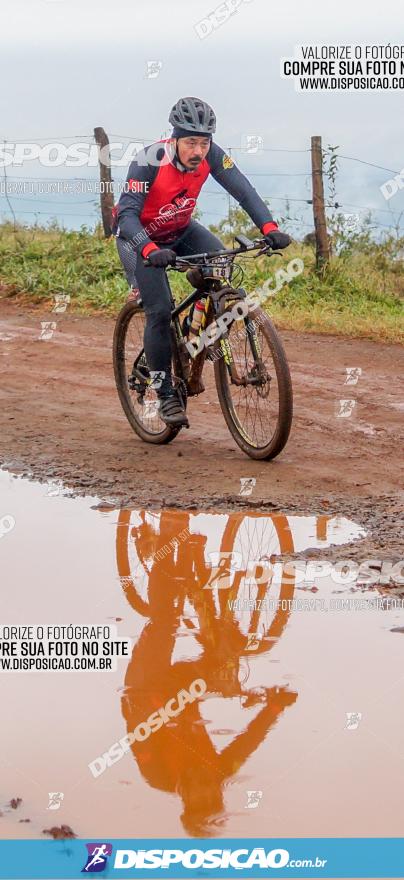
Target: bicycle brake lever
x: 268, y: 252
x: 264, y: 250
x: 177, y: 266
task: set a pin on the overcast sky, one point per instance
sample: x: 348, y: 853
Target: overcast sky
x: 69, y: 65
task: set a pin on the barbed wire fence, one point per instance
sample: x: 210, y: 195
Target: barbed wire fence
x: 16, y: 198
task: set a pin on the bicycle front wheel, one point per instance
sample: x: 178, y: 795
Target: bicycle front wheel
x: 257, y: 400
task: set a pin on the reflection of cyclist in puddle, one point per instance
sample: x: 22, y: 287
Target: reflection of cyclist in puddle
x: 180, y: 757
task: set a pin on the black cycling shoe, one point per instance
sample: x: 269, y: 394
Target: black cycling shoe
x: 172, y: 412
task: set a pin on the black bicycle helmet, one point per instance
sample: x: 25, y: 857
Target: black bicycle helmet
x: 193, y: 114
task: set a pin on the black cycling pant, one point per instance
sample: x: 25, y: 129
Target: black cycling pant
x: 155, y: 293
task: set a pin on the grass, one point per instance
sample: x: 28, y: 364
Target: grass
x: 40, y: 262
x: 360, y: 294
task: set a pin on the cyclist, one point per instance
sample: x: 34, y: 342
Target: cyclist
x: 153, y: 219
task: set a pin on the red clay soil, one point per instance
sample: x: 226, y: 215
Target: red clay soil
x: 61, y: 419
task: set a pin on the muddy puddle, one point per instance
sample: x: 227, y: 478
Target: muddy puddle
x: 254, y: 699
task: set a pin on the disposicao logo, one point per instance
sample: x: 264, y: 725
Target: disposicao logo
x: 97, y: 857
x: 198, y: 858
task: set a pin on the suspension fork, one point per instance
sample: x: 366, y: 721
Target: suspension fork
x: 255, y: 346
x: 227, y: 354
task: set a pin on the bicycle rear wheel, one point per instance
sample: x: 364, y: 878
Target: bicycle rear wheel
x: 132, y: 376
x: 259, y: 415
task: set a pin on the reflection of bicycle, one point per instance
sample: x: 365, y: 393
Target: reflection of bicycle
x: 251, y: 371
x: 187, y: 637
x: 250, y: 536
x: 206, y: 596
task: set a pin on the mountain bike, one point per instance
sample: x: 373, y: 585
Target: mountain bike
x: 203, y: 587
x: 250, y: 367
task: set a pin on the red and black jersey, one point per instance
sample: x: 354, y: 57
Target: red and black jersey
x: 160, y: 195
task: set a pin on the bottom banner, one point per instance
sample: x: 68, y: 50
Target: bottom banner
x: 168, y: 858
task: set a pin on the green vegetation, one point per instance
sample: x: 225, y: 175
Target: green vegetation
x: 39, y: 262
x: 359, y: 294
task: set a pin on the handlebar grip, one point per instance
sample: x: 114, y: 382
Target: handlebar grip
x: 148, y: 265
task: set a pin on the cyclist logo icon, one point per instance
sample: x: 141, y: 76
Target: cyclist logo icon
x: 98, y: 854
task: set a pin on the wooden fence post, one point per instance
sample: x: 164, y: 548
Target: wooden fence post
x: 320, y: 223
x: 106, y: 194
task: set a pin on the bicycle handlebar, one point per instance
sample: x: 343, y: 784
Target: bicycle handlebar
x: 245, y: 246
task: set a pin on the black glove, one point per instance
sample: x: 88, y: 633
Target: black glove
x: 162, y: 258
x: 277, y: 240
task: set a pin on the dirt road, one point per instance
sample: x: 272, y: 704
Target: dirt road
x: 61, y: 419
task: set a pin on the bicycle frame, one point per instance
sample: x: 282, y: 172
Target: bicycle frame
x: 212, y: 308
x: 214, y: 290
